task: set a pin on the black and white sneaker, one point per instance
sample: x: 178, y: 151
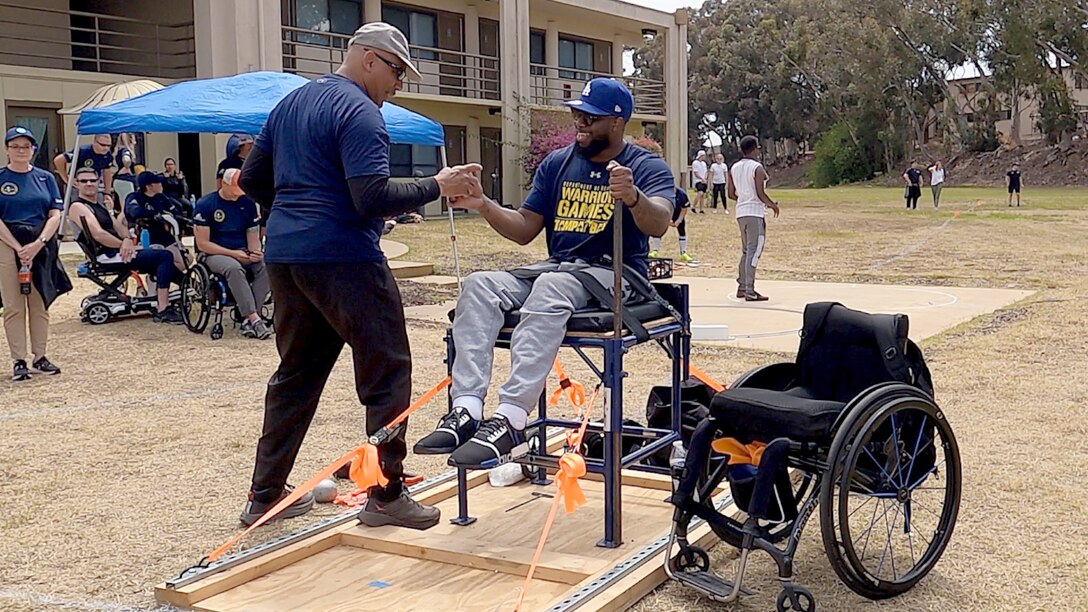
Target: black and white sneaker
x: 20, y: 371
x: 496, y: 443
x: 43, y: 366
x: 453, y: 430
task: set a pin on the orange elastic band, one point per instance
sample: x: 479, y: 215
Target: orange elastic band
x: 749, y: 454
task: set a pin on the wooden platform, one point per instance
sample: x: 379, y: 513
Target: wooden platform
x: 448, y: 567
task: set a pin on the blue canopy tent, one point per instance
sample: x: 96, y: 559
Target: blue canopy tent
x: 237, y: 104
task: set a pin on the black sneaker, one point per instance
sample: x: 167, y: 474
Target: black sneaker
x: 20, y: 373
x: 496, y: 443
x: 401, y: 512
x: 752, y: 296
x: 741, y: 293
x: 453, y: 430
x: 255, y: 509
x: 167, y: 316
x: 42, y: 366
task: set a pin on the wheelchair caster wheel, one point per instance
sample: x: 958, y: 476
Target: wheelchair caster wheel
x: 217, y: 332
x: 796, y: 599
x: 693, y: 558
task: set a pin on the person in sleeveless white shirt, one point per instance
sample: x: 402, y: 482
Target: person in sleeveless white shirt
x: 699, y: 172
x: 717, y: 181
x: 746, y: 183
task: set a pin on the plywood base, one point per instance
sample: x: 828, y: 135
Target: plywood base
x: 449, y: 567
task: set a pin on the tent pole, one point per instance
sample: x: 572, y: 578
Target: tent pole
x: 453, y: 231
x: 65, y: 225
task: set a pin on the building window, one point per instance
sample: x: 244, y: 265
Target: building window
x: 1080, y: 82
x: 420, y: 28
x: 336, y: 16
x: 575, y: 54
x: 413, y: 160
x: 536, y: 52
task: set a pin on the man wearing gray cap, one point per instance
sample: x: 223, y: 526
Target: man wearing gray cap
x: 322, y: 164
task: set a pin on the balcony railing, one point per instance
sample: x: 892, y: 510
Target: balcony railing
x: 444, y: 72
x: 552, y: 85
x: 77, y: 40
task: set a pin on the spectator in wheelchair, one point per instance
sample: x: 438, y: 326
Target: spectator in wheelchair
x: 117, y: 245
x: 149, y: 208
x: 226, y: 225
x: 574, y: 194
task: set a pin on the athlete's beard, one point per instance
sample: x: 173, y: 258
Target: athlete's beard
x: 593, y: 149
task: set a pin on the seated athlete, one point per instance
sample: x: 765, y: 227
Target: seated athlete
x: 226, y: 226
x: 146, y: 209
x: 573, y: 198
x: 117, y: 246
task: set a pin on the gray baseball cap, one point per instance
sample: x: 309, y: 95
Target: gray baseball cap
x: 381, y: 35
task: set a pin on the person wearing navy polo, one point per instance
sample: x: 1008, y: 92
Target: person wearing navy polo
x: 95, y: 155
x: 226, y: 226
x: 322, y: 163
x: 30, y: 215
x: 575, y: 195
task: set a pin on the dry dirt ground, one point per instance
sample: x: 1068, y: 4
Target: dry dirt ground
x: 134, y: 463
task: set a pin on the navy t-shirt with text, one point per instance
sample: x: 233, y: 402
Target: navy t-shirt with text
x: 27, y: 197
x: 227, y: 221
x: 571, y: 193
x: 320, y: 135
x: 89, y: 159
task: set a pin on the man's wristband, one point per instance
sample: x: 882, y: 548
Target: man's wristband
x: 638, y: 198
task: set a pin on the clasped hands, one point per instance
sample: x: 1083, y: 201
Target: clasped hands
x: 461, y: 184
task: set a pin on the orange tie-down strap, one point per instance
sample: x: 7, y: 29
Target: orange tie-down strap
x: 574, y: 389
x: 365, y: 469
x: 748, y: 454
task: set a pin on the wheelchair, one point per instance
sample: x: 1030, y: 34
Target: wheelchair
x: 849, y: 429
x: 205, y: 296
x: 123, y: 292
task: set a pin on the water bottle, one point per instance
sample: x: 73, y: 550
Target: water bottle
x: 677, y: 457
x: 145, y: 239
x: 24, y: 280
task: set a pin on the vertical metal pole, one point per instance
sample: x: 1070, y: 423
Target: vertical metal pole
x: 66, y: 226
x: 613, y: 424
x: 541, y: 477
x: 453, y: 232
x: 462, y: 517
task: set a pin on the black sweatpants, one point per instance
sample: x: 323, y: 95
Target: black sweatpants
x: 719, y: 192
x: 319, y: 308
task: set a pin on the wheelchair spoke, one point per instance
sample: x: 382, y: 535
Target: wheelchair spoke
x: 910, y: 535
x: 886, y: 474
x: 894, y: 454
x: 868, y: 498
x: 917, y: 442
x: 869, y: 532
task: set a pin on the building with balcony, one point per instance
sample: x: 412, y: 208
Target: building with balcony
x: 487, y: 64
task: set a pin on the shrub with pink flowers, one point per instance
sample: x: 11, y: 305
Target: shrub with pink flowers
x: 549, y: 131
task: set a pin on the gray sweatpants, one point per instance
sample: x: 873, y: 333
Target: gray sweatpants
x: 248, y: 296
x: 937, y: 194
x: 752, y: 236
x: 546, y: 304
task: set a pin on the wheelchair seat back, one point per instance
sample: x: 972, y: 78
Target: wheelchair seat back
x: 844, y: 351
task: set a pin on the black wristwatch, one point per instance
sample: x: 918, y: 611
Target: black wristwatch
x: 44, y: 240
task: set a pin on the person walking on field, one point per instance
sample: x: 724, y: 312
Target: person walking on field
x: 936, y: 182
x: 699, y: 172
x: 717, y: 180
x: 747, y: 181
x: 913, y: 179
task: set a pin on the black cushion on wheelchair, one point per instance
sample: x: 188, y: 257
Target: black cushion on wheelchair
x: 762, y: 414
x: 595, y: 320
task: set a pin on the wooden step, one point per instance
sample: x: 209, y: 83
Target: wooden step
x: 410, y: 269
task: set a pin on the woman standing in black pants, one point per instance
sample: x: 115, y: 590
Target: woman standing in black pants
x: 913, y: 177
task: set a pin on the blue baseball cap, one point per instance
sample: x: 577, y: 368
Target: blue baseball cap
x: 606, y: 98
x: 146, y: 178
x: 19, y: 132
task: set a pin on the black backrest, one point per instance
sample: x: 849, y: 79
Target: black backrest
x: 87, y: 242
x: 844, y: 351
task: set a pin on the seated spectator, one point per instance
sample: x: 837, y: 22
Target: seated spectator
x: 126, y: 169
x: 226, y: 226
x: 146, y: 208
x: 118, y: 246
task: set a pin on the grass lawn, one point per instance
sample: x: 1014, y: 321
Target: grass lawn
x: 135, y: 462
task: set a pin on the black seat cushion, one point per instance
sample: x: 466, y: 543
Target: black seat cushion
x: 762, y: 414
x: 593, y: 320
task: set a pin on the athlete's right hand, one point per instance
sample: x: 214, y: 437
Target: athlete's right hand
x: 460, y: 180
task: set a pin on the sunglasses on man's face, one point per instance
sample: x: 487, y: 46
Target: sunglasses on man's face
x: 86, y: 181
x: 585, y: 119
x: 398, y: 71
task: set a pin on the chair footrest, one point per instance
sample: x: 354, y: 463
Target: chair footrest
x: 709, y: 583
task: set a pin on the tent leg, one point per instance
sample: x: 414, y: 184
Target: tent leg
x: 67, y: 229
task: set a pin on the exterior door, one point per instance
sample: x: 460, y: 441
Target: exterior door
x: 43, y: 122
x: 491, y: 160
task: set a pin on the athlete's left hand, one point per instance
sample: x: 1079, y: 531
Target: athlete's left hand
x: 621, y: 182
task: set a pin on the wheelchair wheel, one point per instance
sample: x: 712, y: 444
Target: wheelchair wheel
x: 217, y: 331
x: 195, y: 309
x: 889, y: 502
x: 805, y: 601
x: 97, y: 313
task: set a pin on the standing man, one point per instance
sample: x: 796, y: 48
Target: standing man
x: 936, y: 182
x: 717, y: 180
x: 238, y: 148
x: 577, y: 192
x: 1013, y: 182
x: 322, y: 163
x: 747, y: 182
x: 96, y: 156
x: 913, y: 178
x: 699, y: 172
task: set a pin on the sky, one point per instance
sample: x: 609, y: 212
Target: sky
x: 667, y: 5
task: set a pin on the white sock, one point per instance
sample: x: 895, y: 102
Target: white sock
x: 473, y: 404
x: 683, y: 245
x: 515, y: 414
x: 656, y: 242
